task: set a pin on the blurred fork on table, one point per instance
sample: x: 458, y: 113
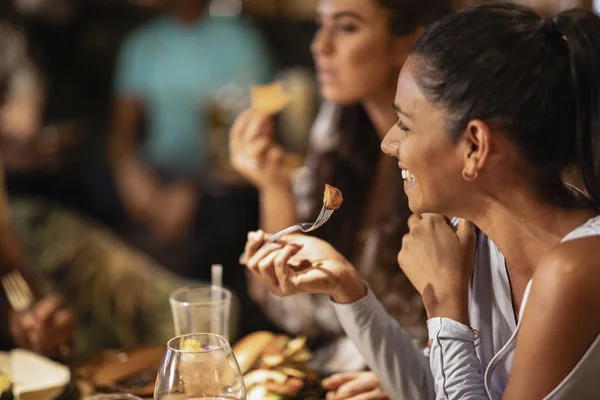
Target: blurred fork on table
x: 17, y: 291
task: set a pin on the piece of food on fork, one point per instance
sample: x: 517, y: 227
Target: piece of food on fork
x: 332, y: 198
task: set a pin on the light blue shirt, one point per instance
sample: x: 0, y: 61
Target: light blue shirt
x: 173, y: 68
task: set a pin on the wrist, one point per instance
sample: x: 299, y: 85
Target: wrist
x: 276, y: 193
x: 350, y: 288
x: 453, y: 306
x: 275, y: 186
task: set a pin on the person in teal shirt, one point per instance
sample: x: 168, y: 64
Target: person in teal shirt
x: 167, y: 71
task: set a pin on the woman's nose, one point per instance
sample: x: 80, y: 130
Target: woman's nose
x: 390, y: 145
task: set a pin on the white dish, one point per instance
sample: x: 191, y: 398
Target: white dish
x: 34, y: 377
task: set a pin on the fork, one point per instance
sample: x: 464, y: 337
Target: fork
x: 305, y: 227
x: 17, y: 291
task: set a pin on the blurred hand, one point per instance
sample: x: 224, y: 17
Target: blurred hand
x: 47, y: 326
x: 439, y: 262
x: 354, y: 386
x: 253, y: 151
x: 302, y: 264
x: 137, y: 188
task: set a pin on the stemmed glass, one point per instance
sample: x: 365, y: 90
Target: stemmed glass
x: 199, y: 366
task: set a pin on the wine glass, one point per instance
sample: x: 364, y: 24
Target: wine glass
x: 199, y: 366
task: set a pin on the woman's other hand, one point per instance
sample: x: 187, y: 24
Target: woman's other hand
x: 254, y: 153
x: 439, y: 263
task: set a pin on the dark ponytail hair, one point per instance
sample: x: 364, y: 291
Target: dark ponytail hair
x: 536, y: 79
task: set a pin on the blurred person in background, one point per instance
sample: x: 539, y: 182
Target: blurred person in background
x: 49, y: 323
x: 80, y: 273
x: 168, y: 71
x: 358, y: 50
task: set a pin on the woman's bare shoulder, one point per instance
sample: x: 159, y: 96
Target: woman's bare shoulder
x: 571, y: 269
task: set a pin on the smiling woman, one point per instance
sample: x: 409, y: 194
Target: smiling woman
x: 495, y: 103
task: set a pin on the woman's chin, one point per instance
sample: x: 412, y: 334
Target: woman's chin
x: 337, y: 96
x: 416, y: 207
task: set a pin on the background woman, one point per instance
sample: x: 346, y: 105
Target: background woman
x: 358, y: 51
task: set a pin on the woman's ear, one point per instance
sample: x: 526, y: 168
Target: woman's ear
x: 476, y: 143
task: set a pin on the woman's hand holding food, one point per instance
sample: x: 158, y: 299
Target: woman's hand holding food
x: 354, y: 386
x: 254, y: 153
x: 302, y: 264
x: 439, y: 263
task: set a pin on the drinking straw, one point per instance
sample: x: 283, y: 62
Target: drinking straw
x: 216, y: 274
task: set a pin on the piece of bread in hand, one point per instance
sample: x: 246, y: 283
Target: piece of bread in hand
x: 269, y: 99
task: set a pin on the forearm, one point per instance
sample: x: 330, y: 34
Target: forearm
x: 120, y: 152
x: 277, y: 207
x: 122, y: 138
x: 399, y: 365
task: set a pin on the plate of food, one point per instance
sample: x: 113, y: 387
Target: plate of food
x: 28, y: 376
x: 275, y: 367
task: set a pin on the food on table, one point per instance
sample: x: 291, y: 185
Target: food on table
x: 270, y: 98
x: 5, y: 387
x: 275, y: 367
x: 332, y: 198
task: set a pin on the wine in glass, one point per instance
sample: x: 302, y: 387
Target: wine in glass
x: 199, y: 366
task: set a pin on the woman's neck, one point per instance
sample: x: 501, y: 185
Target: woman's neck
x: 524, y: 227
x: 380, y: 111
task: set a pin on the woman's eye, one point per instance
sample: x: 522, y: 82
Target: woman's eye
x: 348, y: 28
x: 402, y: 127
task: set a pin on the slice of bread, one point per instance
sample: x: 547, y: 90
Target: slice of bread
x: 270, y: 98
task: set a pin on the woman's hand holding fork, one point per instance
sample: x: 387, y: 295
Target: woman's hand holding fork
x: 303, y: 264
